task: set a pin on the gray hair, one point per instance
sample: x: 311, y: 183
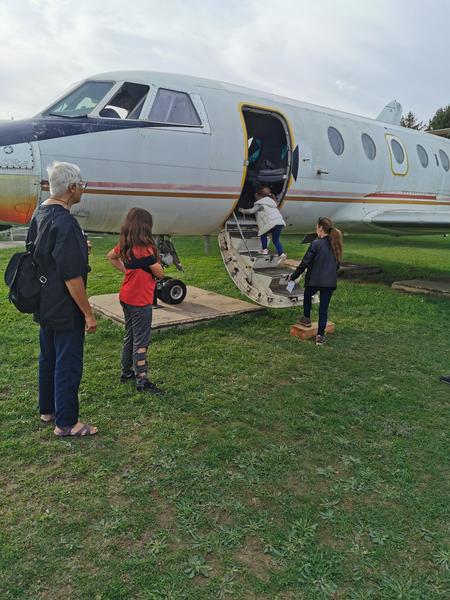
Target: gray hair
x: 61, y: 175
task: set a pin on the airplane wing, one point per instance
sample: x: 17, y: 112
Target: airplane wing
x: 436, y: 222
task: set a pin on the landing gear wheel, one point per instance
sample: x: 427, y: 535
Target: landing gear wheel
x: 171, y: 291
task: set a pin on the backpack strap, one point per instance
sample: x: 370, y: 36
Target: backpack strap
x: 33, y: 246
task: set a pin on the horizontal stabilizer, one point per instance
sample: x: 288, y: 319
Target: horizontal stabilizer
x: 391, y: 113
x: 413, y: 220
x: 441, y: 132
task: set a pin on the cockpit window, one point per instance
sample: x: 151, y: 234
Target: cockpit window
x: 127, y: 103
x: 174, y: 107
x: 82, y: 100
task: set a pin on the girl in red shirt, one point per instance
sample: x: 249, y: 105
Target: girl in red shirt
x: 136, y: 256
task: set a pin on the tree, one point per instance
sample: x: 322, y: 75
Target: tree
x: 411, y: 121
x: 441, y: 119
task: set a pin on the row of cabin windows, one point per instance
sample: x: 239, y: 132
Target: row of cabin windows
x: 337, y: 144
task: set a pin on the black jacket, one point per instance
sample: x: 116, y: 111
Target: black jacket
x: 320, y: 263
x: 62, y: 254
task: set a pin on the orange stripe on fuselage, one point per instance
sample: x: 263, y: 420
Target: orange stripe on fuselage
x: 218, y: 192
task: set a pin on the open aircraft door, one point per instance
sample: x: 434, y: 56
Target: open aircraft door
x: 271, y: 160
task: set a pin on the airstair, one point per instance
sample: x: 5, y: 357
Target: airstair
x: 258, y: 276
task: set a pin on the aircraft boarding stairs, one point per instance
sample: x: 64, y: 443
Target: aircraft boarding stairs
x: 258, y: 276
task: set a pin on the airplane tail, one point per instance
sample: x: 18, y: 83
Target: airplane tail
x: 391, y: 113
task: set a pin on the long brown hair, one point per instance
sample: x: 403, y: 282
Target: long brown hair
x: 335, y: 236
x: 263, y: 191
x: 136, y: 231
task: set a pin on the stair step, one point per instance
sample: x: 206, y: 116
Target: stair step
x: 248, y: 234
x: 296, y: 292
x: 274, y: 272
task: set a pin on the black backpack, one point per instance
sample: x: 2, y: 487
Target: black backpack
x: 24, y: 278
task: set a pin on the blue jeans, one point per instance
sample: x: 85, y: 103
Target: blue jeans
x: 275, y: 232
x: 138, y: 326
x: 60, y: 370
x: 325, y: 294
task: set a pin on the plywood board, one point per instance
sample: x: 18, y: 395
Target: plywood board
x: 199, y: 305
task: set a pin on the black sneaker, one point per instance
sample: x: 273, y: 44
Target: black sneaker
x: 305, y: 321
x: 126, y: 377
x: 147, y: 386
x: 445, y: 379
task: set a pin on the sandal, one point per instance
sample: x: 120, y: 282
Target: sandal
x: 48, y: 418
x: 82, y: 432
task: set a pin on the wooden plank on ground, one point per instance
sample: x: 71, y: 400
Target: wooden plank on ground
x: 200, y: 305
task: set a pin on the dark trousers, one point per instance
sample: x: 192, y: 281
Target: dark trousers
x: 275, y: 232
x: 60, y: 370
x: 138, y: 325
x: 325, y: 294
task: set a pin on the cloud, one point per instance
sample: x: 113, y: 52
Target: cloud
x: 354, y: 56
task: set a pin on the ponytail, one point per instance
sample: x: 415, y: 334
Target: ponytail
x: 334, y: 235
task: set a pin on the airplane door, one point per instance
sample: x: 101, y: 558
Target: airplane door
x: 270, y: 156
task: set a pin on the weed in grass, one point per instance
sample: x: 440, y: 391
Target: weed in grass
x: 441, y: 558
x: 227, y: 583
x: 401, y: 587
x: 157, y: 545
x: 196, y: 565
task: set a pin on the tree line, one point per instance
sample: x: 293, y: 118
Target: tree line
x: 441, y: 120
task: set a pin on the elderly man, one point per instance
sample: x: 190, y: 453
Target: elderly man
x: 65, y: 314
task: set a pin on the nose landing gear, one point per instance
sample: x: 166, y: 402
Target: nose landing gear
x: 168, y: 289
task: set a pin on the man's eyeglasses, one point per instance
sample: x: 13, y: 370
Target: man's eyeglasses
x: 82, y: 185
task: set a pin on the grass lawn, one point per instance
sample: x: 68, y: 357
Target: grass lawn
x: 271, y: 469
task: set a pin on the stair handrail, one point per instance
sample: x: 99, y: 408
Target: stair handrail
x: 242, y: 235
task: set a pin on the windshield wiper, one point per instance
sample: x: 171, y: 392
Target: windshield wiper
x: 65, y: 116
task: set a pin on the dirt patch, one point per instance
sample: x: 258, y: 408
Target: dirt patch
x: 252, y: 555
x: 164, y: 513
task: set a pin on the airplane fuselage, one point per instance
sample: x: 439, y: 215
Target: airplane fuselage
x: 365, y: 174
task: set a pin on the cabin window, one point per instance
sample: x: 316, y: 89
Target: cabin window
x: 444, y: 160
x: 175, y: 108
x: 423, y: 156
x: 127, y: 102
x: 369, y: 146
x: 397, y: 150
x: 398, y: 155
x: 336, y: 140
x: 82, y: 100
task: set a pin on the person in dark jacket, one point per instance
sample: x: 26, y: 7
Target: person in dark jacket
x: 321, y: 263
x: 64, y: 313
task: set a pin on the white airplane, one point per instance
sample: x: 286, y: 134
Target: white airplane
x: 192, y: 151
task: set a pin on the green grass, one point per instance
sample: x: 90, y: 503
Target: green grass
x: 271, y: 469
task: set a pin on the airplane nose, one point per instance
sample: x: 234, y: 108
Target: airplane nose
x: 19, y: 182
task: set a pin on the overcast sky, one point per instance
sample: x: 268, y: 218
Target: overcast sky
x: 353, y: 55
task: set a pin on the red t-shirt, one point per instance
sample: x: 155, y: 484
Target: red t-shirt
x: 138, y: 286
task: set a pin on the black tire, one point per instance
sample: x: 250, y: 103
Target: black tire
x: 172, y: 291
